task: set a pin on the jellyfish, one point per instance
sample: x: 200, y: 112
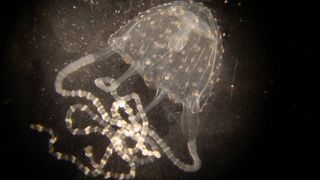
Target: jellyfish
x: 177, y: 49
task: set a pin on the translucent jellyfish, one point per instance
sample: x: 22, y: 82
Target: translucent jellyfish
x: 177, y: 49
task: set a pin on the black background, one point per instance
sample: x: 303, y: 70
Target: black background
x: 286, y: 146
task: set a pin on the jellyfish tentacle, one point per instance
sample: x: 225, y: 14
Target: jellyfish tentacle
x: 105, y: 121
x: 76, y: 65
x: 102, y: 83
x: 154, y: 147
x: 192, y: 147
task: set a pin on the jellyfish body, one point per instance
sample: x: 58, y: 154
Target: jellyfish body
x: 177, y: 49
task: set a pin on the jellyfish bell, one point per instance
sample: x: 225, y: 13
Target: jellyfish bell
x: 177, y: 49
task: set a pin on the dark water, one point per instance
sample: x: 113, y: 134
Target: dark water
x: 253, y: 127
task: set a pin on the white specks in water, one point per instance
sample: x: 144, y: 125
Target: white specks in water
x: 224, y: 34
